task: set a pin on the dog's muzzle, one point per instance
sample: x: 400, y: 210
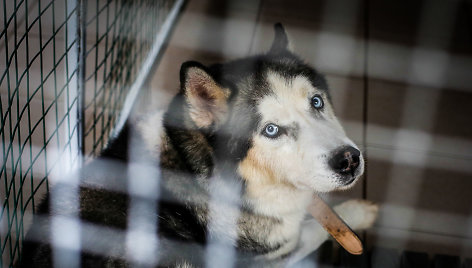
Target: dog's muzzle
x: 345, y: 162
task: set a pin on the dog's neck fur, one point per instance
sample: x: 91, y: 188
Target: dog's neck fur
x: 269, y: 195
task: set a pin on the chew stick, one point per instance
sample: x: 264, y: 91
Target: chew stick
x: 335, y: 226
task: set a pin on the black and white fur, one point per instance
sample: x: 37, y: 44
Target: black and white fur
x: 221, y: 177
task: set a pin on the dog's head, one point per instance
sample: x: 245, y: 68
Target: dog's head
x: 273, y: 116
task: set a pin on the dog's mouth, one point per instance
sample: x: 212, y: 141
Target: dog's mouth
x: 347, y: 180
x: 353, y: 176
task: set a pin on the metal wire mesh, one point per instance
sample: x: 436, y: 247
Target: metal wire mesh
x: 118, y: 46
x: 61, y: 92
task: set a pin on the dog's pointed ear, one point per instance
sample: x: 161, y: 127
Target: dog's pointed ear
x: 281, y: 42
x: 207, y: 100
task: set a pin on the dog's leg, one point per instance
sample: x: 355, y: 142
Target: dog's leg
x: 358, y: 214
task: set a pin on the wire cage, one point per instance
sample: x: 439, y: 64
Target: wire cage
x: 67, y: 68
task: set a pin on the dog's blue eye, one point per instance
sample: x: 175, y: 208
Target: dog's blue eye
x: 271, y: 131
x: 317, y: 102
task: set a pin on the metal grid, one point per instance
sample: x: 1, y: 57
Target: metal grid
x: 66, y: 69
x: 119, y: 44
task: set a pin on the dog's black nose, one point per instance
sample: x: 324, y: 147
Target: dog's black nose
x: 345, y: 160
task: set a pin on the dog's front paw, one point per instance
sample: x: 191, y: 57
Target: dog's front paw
x: 358, y: 214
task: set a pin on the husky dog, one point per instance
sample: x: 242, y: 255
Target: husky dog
x: 229, y: 169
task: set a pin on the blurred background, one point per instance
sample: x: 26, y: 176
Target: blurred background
x: 400, y: 74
